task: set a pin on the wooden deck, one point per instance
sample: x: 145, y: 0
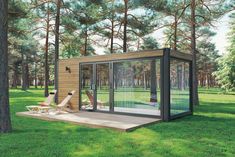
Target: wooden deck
x: 96, y: 119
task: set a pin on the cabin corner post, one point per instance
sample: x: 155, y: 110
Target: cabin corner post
x: 166, y: 85
x: 94, y: 86
x: 111, y: 86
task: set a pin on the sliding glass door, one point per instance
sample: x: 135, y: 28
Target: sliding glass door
x: 94, y: 84
x: 137, y: 87
x: 102, y: 82
x: 87, y: 87
x: 128, y: 86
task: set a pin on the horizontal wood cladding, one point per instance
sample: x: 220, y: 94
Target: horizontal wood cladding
x: 111, y: 57
x: 64, y: 93
x: 72, y: 74
x: 114, y: 57
x: 73, y: 71
x: 74, y: 99
x: 68, y: 81
x: 180, y: 55
x: 67, y: 87
x: 122, y: 56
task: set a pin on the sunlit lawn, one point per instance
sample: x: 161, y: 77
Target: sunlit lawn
x: 210, y: 132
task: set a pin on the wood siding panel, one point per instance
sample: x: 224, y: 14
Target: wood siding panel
x: 181, y: 55
x: 68, y: 82
x: 110, y: 57
x: 124, y: 56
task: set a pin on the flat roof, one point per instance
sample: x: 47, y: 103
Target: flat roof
x: 128, y: 55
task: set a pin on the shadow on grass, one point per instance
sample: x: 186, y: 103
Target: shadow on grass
x: 208, y: 107
x: 21, y: 93
x: 214, y: 91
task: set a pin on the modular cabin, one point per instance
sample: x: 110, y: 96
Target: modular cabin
x: 155, y: 83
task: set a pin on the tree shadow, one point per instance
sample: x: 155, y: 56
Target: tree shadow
x: 214, y: 91
x: 21, y: 93
x: 208, y: 107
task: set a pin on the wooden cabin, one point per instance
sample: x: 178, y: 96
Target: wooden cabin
x: 154, y: 83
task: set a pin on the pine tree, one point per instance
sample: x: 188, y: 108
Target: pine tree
x: 226, y: 71
x: 5, y: 121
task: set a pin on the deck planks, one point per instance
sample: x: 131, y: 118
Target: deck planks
x: 97, y: 120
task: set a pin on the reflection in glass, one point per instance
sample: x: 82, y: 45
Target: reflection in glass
x: 102, y: 81
x: 87, y: 94
x: 179, y: 83
x: 137, y: 86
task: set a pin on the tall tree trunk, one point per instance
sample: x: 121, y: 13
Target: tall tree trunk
x: 35, y: 78
x: 86, y: 41
x: 35, y: 73
x: 46, y: 52
x: 125, y: 27
x: 24, y: 84
x: 145, y: 81
x: 27, y: 80
x: 193, y: 49
x: 182, y: 81
x: 133, y: 77
x: 112, y: 33
x: 201, y: 78
x: 138, y: 44
x: 175, y: 32
x: 15, y: 75
x: 57, y: 35
x: 178, y: 74
x: 112, y: 28
x: 5, y: 121
x: 41, y: 81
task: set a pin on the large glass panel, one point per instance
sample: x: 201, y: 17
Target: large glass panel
x: 137, y: 86
x: 102, y: 81
x: 87, y: 83
x: 179, y: 83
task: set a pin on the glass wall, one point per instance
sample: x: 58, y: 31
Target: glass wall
x: 179, y: 83
x: 87, y: 92
x: 137, y: 86
x: 134, y: 86
x: 102, y: 86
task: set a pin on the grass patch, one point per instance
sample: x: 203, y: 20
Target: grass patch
x: 210, y: 132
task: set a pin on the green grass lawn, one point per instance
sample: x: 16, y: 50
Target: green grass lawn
x: 209, y: 132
